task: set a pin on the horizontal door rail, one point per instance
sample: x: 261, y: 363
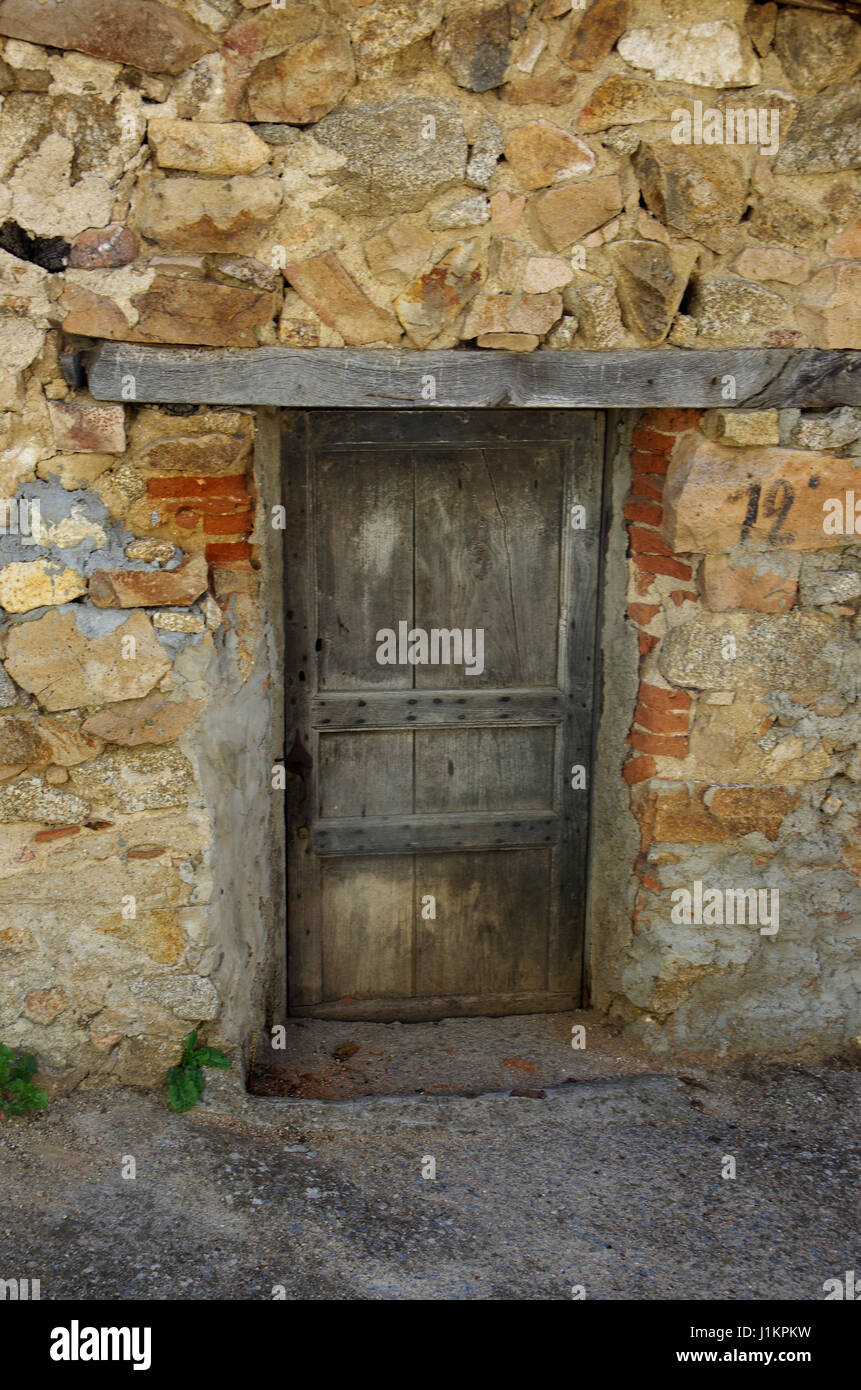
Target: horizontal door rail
x: 440, y: 709
x: 404, y: 834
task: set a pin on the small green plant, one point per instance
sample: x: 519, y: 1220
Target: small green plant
x: 18, y: 1095
x: 185, y: 1082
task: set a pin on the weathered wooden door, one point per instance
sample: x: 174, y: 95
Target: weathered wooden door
x: 438, y: 809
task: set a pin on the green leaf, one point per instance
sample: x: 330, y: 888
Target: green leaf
x: 211, y: 1057
x: 18, y: 1095
x: 183, y: 1091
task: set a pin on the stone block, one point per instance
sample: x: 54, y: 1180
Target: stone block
x: 432, y: 303
x: 798, y: 651
x: 150, y: 588
x: 766, y: 583
x: 53, y: 659
x: 716, y: 498
x: 206, y: 147
x: 84, y: 427
x: 541, y: 153
x: 566, y: 214
x: 323, y: 283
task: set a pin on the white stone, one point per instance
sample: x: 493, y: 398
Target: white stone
x: 705, y: 55
x: 44, y: 199
x: 20, y: 341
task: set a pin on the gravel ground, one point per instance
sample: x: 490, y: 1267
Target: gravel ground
x: 614, y: 1184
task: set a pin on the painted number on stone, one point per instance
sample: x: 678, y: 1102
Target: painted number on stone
x: 776, y: 503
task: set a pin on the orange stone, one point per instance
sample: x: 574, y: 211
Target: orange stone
x: 756, y: 584
x: 716, y: 498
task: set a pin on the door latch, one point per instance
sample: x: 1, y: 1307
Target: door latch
x: 299, y: 763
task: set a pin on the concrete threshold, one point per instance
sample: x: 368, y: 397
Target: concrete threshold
x: 659, y: 1098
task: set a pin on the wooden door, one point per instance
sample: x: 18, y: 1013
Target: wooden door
x: 437, y: 828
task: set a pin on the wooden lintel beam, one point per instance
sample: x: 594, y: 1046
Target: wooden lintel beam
x: 350, y: 378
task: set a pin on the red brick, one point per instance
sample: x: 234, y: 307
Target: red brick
x: 649, y: 463
x: 186, y: 518
x: 643, y: 612
x: 674, y: 721
x: 225, y: 552
x: 154, y: 852
x: 646, y: 542
x: 659, y: 698
x: 662, y: 564
x: 651, y: 441
x: 646, y: 512
x: 680, y: 596
x: 233, y: 486
x: 644, y: 485
x: 208, y: 506
x: 665, y: 745
x: 670, y: 420
x: 646, y: 642
x: 234, y: 524
x: 56, y: 834
x: 639, y: 770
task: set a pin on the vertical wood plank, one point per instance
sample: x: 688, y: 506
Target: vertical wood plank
x: 577, y: 623
x: 487, y: 556
x: 364, y: 507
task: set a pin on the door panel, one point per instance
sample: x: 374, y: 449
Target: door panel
x: 368, y: 923
x: 490, y: 934
x: 483, y: 769
x: 436, y: 844
x: 366, y: 774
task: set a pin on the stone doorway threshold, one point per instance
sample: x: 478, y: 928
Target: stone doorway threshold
x: 520, y: 1055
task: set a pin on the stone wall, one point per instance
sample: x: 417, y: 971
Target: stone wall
x: 382, y: 173
x: 745, y: 745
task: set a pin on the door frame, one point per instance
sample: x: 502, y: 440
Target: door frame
x: 579, y: 666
